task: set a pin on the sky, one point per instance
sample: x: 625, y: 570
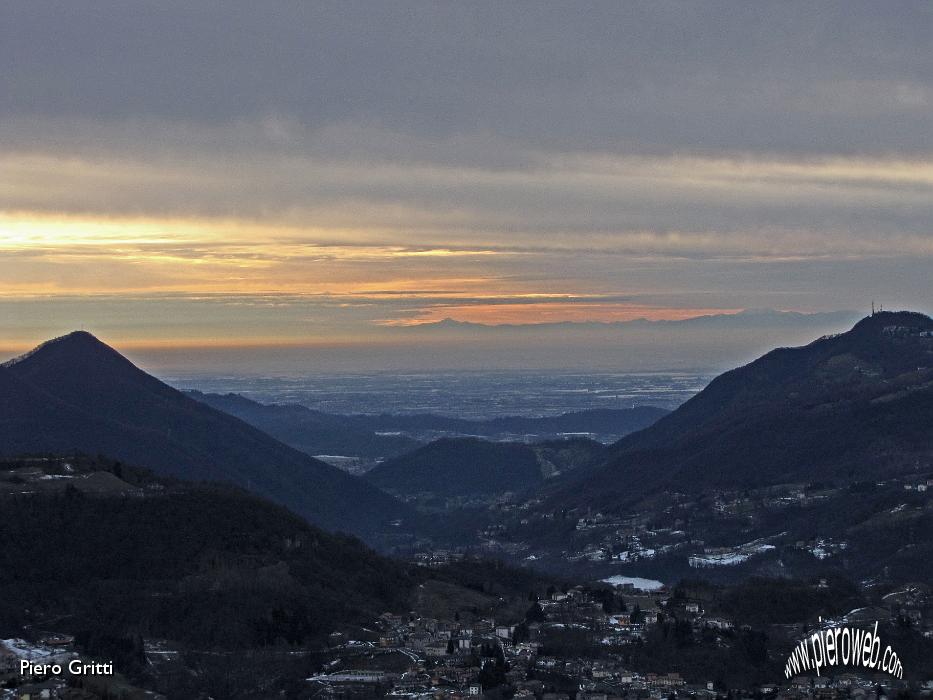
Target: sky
x: 327, y: 174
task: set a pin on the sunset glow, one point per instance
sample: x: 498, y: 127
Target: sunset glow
x: 350, y: 201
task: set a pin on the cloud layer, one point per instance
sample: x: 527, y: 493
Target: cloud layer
x: 394, y: 163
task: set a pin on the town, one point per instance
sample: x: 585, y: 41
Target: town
x: 582, y: 643
x: 674, y: 534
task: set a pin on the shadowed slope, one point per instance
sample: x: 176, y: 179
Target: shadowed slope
x: 76, y: 393
x: 856, y: 406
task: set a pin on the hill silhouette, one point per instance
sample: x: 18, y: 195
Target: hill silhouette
x: 207, y: 564
x: 466, y: 467
x: 77, y: 394
x: 854, y: 406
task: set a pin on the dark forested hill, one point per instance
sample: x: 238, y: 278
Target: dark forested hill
x: 460, y: 467
x: 243, y: 593
x: 468, y: 467
x: 206, y: 565
x: 76, y: 393
x: 854, y: 406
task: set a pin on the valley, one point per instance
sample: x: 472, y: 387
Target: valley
x: 688, y: 556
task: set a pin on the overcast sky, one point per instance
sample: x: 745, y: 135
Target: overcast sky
x: 321, y: 172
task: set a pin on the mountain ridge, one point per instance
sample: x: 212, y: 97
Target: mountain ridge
x: 750, y: 316
x: 856, y: 405
x: 76, y: 393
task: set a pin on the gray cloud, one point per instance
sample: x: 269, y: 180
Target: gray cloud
x: 717, y: 154
x: 838, y: 77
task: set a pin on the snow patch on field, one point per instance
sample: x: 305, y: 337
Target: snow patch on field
x: 642, y: 584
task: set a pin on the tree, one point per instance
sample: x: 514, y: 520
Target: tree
x: 535, y: 613
x: 607, y: 598
x: 492, y: 674
x: 636, y: 617
x: 521, y: 633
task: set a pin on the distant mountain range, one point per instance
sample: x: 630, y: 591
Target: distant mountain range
x: 707, y: 343
x: 388, y: 435
x: 855, y: 406
x: 748, y: 319
x: 77, y: 394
